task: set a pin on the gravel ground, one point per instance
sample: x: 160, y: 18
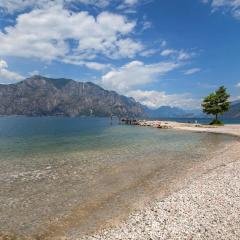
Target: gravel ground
x: 208, y: 208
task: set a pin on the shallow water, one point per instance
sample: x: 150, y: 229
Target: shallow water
x: 66, y: 175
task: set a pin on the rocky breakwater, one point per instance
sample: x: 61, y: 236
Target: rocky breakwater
x: 165, y: 124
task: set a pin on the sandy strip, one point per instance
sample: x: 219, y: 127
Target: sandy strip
x: 206, y: 208
x: 231, y: 129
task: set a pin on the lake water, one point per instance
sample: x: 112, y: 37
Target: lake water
x: 66, y: 175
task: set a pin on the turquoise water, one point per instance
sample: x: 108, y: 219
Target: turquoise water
x: 62, y: 174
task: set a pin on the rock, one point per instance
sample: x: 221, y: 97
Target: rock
x: 41, y: 96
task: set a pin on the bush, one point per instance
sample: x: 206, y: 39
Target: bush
x: 217, y: 122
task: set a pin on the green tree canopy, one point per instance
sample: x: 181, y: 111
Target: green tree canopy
x: 216, y: 103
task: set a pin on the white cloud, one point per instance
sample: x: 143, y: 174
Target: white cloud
x: 135, y: 74
x: 129, y: 78
x: 131, y: 2
x: 148, y: 52
x: 19, y: 5
x: 45, y: 34
x: 227, y: 3
x: 155, y: 99
x: 163, y: 43
x: 3, y: 64
x: 180, y: 55
x: 238, y: 85
x: 192, y: 71
x: 167, y: 52
x: 231, y: 6
x: 92, y: 65
x: 12, y: 6
x: 147, y: 25
x: 156, y: 50
x: 127, y: 48
x: 33, y: 73
x: 129, y: 5
x: 96, y: 3
x: 7, y: 76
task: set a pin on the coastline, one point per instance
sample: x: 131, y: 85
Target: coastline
x: 205, y: 205
x: 229, y: 129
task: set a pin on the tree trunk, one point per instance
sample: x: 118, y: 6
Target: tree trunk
x: 216, y: 117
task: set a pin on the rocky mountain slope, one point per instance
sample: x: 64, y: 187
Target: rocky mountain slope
x: 234, y: 111
x: 41, y: 96
x: 173, y: 112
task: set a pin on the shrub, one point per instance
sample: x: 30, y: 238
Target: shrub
x: 217, y: 122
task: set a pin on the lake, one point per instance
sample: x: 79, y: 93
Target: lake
x: 62, y: 175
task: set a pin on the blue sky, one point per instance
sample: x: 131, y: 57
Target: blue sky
x: 161, y: 52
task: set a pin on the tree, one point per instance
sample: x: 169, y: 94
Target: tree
x: 216, y: 104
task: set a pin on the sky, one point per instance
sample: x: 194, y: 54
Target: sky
x: 161, y: 52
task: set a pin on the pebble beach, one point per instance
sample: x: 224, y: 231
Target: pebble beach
x: 206, y: 207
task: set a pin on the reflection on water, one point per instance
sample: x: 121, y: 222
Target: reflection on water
x: 63, y: 174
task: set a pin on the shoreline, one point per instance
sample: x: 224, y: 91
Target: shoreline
x: 228, y: 129
x: 206, y: 206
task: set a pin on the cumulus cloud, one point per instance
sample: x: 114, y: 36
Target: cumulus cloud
x: 192, y: 71
x: 238, y: 85
x: 127, y: 48
x: 231, y: 6
x: 135, y: 74
x: 129, y: 79
x: 46, y: 34
x: 12, y: 6
x: 155, y: 99
x: 7, y: 75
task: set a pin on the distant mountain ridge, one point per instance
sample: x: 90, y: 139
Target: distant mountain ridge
x: 41, y: 96
x: 234, y: 111
x: 172, y: 112
x: 175, y: 112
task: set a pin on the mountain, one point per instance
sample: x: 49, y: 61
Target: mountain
x: 41, y: 96
x: 172, y: 112
x: 234, y: 111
